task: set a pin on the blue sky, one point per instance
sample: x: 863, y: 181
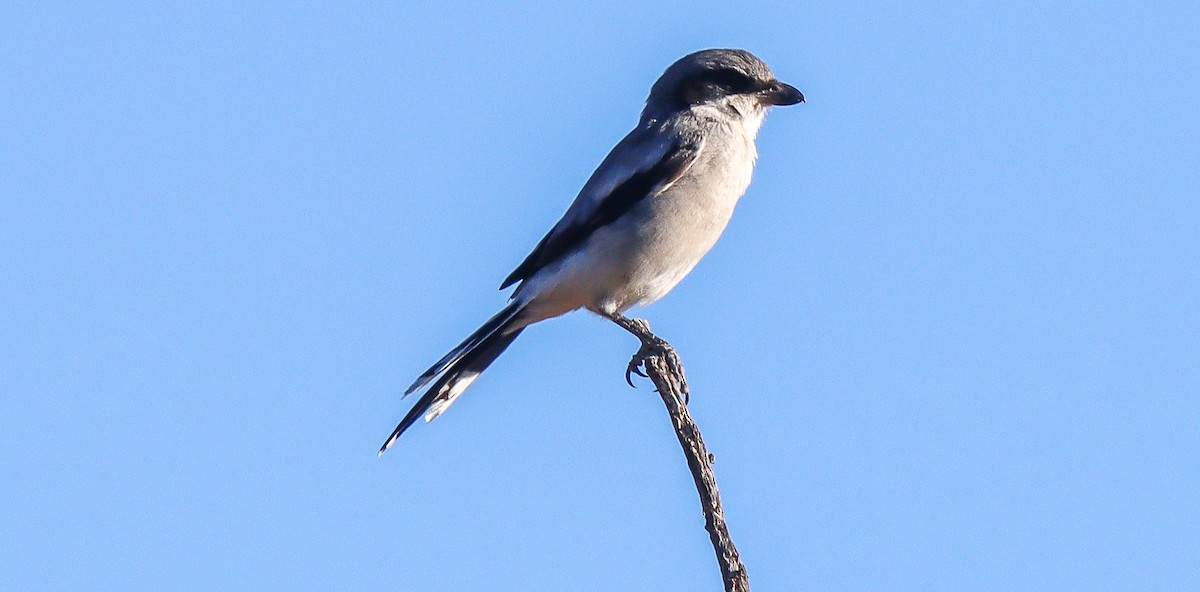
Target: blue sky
x: 949, y: 341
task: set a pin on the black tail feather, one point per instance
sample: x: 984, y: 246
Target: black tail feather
x: 470, y: 363
x: 506, y: 315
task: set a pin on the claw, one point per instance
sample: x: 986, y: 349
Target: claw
x: 635, y: 367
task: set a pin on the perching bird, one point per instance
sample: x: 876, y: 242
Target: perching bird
x: 653, y: 208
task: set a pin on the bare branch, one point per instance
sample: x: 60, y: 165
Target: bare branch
x: 663, y: 368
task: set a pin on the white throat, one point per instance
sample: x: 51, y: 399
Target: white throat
x: 751, y: 114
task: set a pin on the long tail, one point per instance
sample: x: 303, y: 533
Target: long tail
x: 502, y: 318
x: 460, y: 368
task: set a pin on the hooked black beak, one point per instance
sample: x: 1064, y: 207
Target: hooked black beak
x: 782, y: 94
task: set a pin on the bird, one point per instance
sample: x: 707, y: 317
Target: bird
x: 652, y: 209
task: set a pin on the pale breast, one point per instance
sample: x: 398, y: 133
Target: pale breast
x: 684, y: 222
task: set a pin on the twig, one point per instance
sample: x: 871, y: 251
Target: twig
x: 664, y: 369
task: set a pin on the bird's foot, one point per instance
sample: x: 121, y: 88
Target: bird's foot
x: 653, y: 347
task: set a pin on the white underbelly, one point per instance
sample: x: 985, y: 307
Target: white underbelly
x: 634, y: 261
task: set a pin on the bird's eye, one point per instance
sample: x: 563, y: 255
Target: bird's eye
x: 732, y: 81
x: 710, y: 85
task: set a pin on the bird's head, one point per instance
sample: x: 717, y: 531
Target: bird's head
x: 733, y: 80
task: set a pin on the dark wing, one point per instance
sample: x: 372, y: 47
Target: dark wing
x: 642, y: 165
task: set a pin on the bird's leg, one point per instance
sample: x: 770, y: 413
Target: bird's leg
x: 641, y: 330
x: 652, y: 345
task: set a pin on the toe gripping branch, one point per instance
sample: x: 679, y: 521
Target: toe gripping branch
x: 654, y: 350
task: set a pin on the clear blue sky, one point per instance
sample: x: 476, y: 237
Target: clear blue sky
x: 951, y: 340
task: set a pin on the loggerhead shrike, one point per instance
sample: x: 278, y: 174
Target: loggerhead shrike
x: 656, y: 205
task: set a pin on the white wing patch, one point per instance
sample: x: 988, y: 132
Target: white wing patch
x: 455, y: 391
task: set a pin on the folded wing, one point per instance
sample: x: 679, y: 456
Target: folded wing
x: 642, y: 165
